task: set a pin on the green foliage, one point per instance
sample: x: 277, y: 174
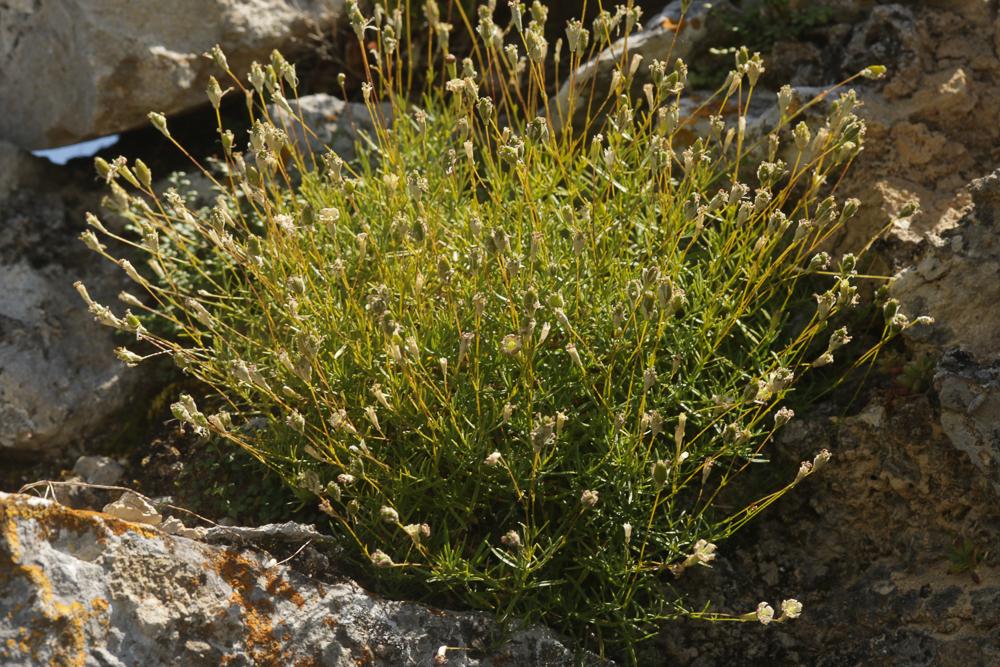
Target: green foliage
x: 518, y: 363
x: 965, y: 556
x: 758, y: 25
x: 770, y: 21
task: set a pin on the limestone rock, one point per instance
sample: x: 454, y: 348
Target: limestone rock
x: 101, y: 470
x: 85, y: 588
x: 134, y: 508
x: 77, y: 69
x: 17, y: 167
x: 970, y: 410
x: 59, y: 380
x: 931, y: 126
x: 889, y: 548
x: 956, y: 281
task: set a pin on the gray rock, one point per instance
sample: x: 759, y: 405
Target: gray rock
x: 889, y: 547
x: 77, y: 69
x: 99, y: 470
x: 17, y: 167
x: 59, y: 380
x: 85, y: 588
x: 134, y: 508
x: 333, y: 123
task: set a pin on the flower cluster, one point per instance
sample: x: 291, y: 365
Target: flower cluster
x: 514, y: 359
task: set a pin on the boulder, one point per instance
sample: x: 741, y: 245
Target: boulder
x: 59, y: 379
x: 85, y: 588
x: 101, y: 470
x: 78, y: 69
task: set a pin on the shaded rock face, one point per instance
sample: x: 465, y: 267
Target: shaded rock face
x: 955, y: 280
x: 77, y: 69
x: 85, y: 588
x: 884, y: 548
x: 59, y: 380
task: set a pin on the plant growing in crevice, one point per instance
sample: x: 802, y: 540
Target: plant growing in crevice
x: 516, y: 365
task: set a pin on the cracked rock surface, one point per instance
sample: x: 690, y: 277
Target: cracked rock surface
x: 79, y: 587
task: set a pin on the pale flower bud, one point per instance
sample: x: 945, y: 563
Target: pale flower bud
x: 821, y: 459
x: 380, y: 559
x: 511, y: 539
x: 159, y: 121
x: 659, y: 474
x: 130, y: 358
x: 783, y: 416
x: 574, y: 355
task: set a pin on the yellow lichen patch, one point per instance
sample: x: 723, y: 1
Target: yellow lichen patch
x: 53, y: 516
x: 62, y: 624
x: 242, y: 575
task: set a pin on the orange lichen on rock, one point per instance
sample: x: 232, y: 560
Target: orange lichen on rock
x: 241, y: 574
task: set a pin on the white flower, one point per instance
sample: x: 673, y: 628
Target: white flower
x: 389, y: 515
x: 765, y: 613
x: 791, y: 608
x: 511, y: 344
x: 493, y: 459
x: 783, y: 416
x: 589, y: 498
x: 417, y: 531
x: 627, y: 528
x: 381, y: 559
x: 704, y: 552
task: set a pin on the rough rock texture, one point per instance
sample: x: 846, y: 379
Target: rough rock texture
x: 117, y: 60
x: 17, y: 167
x: 885, y: 548
x: 58, y: 378
x: 970, y: 410
x: 80, y: 587
x: 932, y: 123
x: 956, y: 279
